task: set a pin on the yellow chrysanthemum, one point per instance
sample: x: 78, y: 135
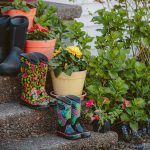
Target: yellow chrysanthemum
x: 65, y: 66
x: 74, y: 50
x: 57, y: 52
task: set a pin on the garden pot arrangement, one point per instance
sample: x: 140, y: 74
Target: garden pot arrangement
x: 29, y: 58
x: 37, y: 43
x: 68, y: 71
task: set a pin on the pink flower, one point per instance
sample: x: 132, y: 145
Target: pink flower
x: 95, y: 117
x: 126, y: 103
x: 90, y: 103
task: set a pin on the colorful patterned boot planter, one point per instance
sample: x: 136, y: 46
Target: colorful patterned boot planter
x: 43, y: 69
x: 64, y: 119
x: 76, y: 110
x: 31, y: 91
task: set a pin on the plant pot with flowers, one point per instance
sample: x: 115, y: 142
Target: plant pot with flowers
x: 40, y: 39
x: 19, y: 8
x: 68, y: 71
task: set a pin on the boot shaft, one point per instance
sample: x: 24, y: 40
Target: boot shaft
x: 63, y: 110
x: 18, y: 31
x: 76, y: 108
x: 4, y: 30
x: 29, y: 78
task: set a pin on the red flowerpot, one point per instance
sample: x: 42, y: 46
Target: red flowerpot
x: 45, y: 47
x: 30, y: 15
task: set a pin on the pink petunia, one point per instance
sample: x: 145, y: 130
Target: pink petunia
x: 126, y: 103
x: 90, y: 103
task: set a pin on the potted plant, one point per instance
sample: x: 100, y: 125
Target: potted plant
x: 40, y: 39
x: 68, y: 71
x: 19, y: 7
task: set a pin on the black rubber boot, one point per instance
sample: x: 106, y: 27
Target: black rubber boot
x: 18, y: 30
x: 64, y: 119
x: 4, y: 37
x: 75, y: 118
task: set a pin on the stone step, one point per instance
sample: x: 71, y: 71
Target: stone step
x: 9, y: 89
x: 52, y: 142
x: 17, y: 121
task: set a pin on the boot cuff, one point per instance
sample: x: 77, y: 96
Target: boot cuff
x: 64, y: 99
x: 74, y: 98
x: 4, y: 20
x: 19, y: 21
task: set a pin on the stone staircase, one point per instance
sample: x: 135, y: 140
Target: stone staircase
x: 22, y: 128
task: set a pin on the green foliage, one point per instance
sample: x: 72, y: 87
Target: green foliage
x: 112, y: 74
x: 81, y: 38
x: 134, y: 114
x: 130, y: 22
x: 16, y: 4
x: 38, y: 35
x: 47, y: 17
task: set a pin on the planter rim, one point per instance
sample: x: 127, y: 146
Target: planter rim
x: 18, y: 10
x: 73, y: 75
x: 40, y: 43
x: 55, y: 95
x: 44, y: 41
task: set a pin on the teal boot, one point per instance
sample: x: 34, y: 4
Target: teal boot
x: 64, y: 119
x: 76, y: 111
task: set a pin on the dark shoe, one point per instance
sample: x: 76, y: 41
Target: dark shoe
x: 18, y: 29
x: 64, y: 119
x: 125, y: 132
x: 11, y: 65
x: 105, y: 128
x: 75, y: 116
x: 4, y: 37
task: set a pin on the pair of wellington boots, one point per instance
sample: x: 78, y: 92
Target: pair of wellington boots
x: 12, y: 42
x: 68, y: 110
x: 34, y: 68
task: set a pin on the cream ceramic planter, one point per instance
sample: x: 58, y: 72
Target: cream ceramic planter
x: 69, y: 85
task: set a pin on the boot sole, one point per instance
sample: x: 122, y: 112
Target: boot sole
x: 36, y: 107
x: 66, y: 136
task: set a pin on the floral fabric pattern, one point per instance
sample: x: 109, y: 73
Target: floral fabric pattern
x: 33, y: 78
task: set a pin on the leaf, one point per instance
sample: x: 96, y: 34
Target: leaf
x: 57, y: 71
x: 7, y: 8
x: 125, y: 118
x: 133, y: 125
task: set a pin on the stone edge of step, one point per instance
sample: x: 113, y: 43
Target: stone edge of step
x: 52, y: 142
x: 67, y: 11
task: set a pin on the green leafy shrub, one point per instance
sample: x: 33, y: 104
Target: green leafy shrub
x: 112, y: 74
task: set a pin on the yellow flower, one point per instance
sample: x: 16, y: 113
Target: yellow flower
x: 65, y: 66
x: 57, y: 52
x: 74, y: 50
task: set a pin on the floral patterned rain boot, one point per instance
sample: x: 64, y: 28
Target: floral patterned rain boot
x: 64, y: 119
x: 31, y: 94
x: 42, y: 74
x: 76, y: 110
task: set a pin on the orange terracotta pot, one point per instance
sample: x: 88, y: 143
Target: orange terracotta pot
x: 30, y: 15
x: 45, y: 47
